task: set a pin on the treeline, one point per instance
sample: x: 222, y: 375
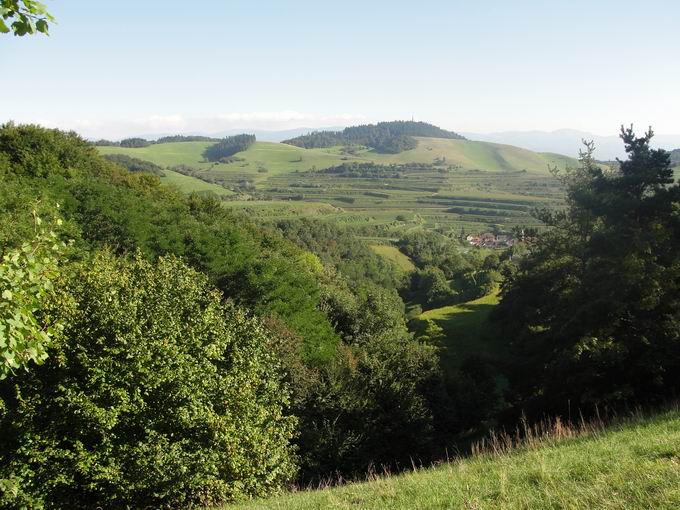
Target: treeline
x: 227, y: 147
x: 135, y: 164
x: 388, y: 137
x: 142, y: 142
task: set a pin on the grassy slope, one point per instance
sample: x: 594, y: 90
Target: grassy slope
x: 474, y: 155
x: 280, y: 158
x: 393, y: 254
x: 625, y: 467
x: 467, y: 330
x: 275, y: 157
x: 189, y: 184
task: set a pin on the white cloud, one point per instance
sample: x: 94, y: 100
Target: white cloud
x: 178, y: 124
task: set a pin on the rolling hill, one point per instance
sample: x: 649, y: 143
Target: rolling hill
x: 281, y: 158
x: 445, y: 183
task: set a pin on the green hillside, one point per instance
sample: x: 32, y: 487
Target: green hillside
x: 393, y: 254
x: 577, y: 473
x: 189, y: 184
x: 281, y: 158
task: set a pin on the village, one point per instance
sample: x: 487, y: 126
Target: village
x: 489, y: 240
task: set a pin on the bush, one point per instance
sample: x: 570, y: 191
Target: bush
x: 156, y: 395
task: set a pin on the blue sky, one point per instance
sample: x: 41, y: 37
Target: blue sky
x: 131, y: 67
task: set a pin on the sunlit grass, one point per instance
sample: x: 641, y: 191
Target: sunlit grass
x: 634, y: 465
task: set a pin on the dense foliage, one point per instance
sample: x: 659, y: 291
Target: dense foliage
x: 594, y: 309
x: 26, y: 286
x: 339, y: 247
x: 388, y: 137
x: 228, y: 147
x: 446, y: 275
x: 135, y: 164
x: 103, y: 204
x: 155, y: 394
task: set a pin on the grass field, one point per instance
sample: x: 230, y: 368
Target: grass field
x: 634, y: 465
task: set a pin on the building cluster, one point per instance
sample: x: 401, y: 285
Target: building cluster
x: 489, y: 240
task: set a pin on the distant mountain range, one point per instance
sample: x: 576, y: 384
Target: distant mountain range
x: 568, y: 141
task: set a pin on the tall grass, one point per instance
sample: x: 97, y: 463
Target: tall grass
x: 614, y: 462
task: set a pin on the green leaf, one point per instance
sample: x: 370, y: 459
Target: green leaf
x: 3, y: 28
x: 42, y: 27
x: 7, y: 294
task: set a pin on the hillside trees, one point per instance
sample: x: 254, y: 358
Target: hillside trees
x: 156, y: 393
x: 228, y: 147
x: 594, y: 308
x: 387, y: 137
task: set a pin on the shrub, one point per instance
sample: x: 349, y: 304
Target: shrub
x: 156, y: 395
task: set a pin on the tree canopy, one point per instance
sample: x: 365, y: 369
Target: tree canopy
x: 593, y: 311
x: 389, y: 137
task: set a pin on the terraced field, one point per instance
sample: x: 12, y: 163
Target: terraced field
x: 449, y: 185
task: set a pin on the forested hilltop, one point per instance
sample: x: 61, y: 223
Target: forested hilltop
x: 162, y: 350
x: 388, y: 137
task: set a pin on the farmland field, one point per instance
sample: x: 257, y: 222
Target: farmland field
x: 442, y: 184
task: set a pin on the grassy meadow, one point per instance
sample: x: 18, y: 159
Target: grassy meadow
x: 467, y: 330
x: 565, y: 469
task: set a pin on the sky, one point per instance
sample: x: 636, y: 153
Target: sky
x: 123, y: 68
